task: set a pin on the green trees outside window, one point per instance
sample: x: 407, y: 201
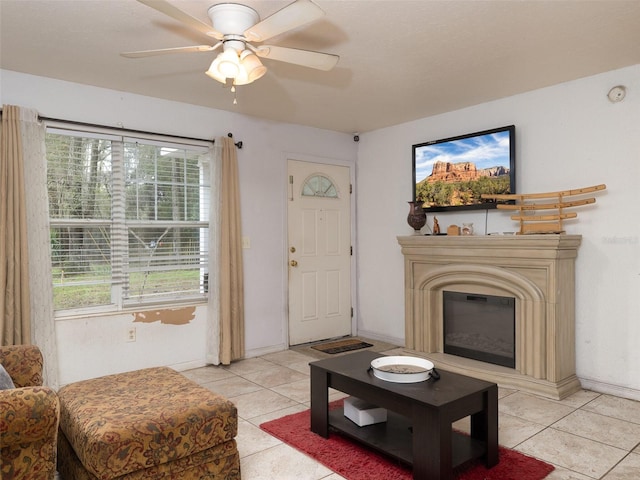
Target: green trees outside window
x: 129, y: 220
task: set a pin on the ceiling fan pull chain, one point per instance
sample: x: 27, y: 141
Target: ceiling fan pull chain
x: 235, y: 97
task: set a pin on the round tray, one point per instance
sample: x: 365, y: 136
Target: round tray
x: 401, y: 369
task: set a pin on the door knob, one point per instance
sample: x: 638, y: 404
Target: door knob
x: 293, y: 263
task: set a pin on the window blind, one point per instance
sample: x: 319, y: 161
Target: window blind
x: 129, y: 220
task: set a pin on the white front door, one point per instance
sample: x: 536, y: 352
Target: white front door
x: 319, y: 224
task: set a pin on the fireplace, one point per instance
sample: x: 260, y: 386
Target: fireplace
x: 481, y: 327
x: 536, y: 271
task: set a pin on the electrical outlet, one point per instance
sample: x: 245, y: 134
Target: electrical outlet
x: 131, y: 334
x: 246, y: 242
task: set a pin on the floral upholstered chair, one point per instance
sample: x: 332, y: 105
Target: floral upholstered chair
x: 29, y: 416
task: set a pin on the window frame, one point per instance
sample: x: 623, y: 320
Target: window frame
x: 121, y: 226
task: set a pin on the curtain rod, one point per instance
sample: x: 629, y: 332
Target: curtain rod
x: 97, y: 125
x: 237, y: 144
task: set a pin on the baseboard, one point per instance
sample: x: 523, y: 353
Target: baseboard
x: 380, y: 338
x: 181, y: 367
x: 257, y: 352
x: 610, y: 389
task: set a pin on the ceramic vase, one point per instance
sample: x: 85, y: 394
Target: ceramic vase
x: 417, y: 217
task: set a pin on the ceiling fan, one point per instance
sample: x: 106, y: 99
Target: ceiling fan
x: 236, y: 28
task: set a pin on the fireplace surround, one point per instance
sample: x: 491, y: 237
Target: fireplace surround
x: 537, y: 270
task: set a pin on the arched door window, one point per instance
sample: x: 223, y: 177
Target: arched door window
x: 319, y: 186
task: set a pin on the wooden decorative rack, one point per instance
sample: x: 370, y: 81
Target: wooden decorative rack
x: 526, y: 205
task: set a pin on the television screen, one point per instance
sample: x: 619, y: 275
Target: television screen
x: 453, y: 173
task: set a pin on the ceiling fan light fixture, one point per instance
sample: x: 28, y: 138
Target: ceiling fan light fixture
x: 214, y: 73
x: 229, y: 64
x: 235, y: 25
x: 252, y: 65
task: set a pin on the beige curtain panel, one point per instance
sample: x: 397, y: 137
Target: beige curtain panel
x: 231, y: 268
x: 15, y: 313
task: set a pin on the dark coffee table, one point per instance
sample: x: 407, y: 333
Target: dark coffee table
x: 419, y: 415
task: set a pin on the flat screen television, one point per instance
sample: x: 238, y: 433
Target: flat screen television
x: 453, y: 173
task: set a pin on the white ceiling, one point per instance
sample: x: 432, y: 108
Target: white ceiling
x: 399, y: 59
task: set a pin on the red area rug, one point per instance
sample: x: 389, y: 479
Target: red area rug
x: 356, y: 462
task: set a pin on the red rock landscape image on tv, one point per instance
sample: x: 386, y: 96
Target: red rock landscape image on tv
x: 453, y: 173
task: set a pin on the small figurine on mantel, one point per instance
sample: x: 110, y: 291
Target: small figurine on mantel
x: 436, y: 226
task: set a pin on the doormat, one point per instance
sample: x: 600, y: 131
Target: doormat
x: 342, y: 346
x: 356, y: 462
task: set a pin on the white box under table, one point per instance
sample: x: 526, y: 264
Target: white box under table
x: 363, y: 413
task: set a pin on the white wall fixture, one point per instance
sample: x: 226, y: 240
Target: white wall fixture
x: 617, y: 93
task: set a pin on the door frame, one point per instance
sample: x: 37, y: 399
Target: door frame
x: 285, y: 247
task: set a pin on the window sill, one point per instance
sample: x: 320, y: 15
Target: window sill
x: 128, y: 310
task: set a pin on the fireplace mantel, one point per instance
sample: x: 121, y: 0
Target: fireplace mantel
x: 537, y: 270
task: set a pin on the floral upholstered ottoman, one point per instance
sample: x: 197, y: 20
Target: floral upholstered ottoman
x: 147, y: 424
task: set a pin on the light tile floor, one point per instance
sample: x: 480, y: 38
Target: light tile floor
x: 586, y: 436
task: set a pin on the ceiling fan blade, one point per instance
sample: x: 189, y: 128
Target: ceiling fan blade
x: 305, y: 58
x: 293, y: 15
x: 168, y: 9
x: 162, y: 51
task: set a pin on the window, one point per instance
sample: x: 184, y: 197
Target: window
x: 319, y: 186
x: 129, y: 220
